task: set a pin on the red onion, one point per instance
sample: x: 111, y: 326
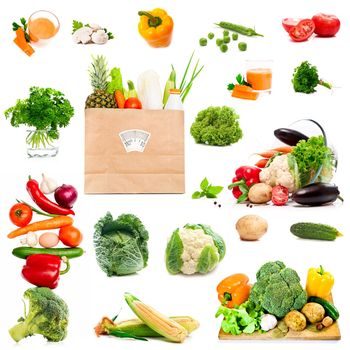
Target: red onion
x: 66, y: 195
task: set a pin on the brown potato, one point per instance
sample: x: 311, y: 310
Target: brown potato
x: 251, y: 227
x: 295, y: 321
x: 313, y: 312
x: 260, y: 193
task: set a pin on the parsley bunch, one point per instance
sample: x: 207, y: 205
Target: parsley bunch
x: 44, y: 109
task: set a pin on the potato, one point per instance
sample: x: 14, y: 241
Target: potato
x: 313, y: 312
x: 251, y: 227
x: 295, y: 321
x: 260, y: 193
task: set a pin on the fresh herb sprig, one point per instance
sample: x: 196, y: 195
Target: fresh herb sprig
x: 207, y: 190
x: 240, y: 81
x: 24, y: 25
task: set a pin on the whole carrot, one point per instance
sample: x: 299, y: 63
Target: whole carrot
x: 283, y: 149
x: 267, y: 154
x: 262, y: 163
x: 119, y: 98
x: 49, y: 224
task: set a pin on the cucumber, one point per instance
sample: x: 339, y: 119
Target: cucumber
x: 70, y: 253
x: 310, y: 230
x: 330, y: 309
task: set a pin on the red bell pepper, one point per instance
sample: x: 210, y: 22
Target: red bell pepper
x: 246, y: 176
x: 43, y: 270
x: 43, y: 202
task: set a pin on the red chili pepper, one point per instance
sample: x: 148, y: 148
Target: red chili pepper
x: 43, y: 202
x: 43, y: 270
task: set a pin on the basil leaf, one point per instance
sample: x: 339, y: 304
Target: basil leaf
x: 204, y: 184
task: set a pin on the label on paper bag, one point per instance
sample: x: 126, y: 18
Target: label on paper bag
x: 134, y: 140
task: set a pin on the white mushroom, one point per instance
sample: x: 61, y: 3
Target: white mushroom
x: 31, y: 239
x: 99, y: 37
x: 82, y: 35
x: 95, y: 27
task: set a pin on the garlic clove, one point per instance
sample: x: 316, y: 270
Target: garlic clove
x: 31, y: 239
x: 48, y: 185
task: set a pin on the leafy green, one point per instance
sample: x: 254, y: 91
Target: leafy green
x: 116, y: 82
x: 310, y: 156
x: 245, y: 318
x: 121, y: 244
x: 47, y: 315
x: 174, y: 252
x: 77, y: 25
x: 217, y: 126
x: 24, y: 25
x: 278, y: 289
x: 305, y: 78
x: 207, y: 190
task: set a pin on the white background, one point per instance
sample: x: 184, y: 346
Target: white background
x: 63, y: 65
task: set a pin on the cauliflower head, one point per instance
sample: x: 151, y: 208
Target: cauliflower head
x: 279, y: 172
x: 194, y: 249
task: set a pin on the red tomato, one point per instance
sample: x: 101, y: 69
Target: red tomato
x: 326, y: 25
x: 302, y: 31
x: 280, y: 195
x: 289, y: 23
x: 133, y: 102
x: 21, y: 214
x: 70, y: 236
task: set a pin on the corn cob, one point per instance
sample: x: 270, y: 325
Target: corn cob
x: 161, y: 324
x: 136, y: 327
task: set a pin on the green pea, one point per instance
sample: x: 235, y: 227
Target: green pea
x: 234, y: 36
x: 219, y: 42
x: 203, y: 42
x: 226, y: 33
x: 242, y: 46
x: 211, y: 35
x: 226, y: 39
x: 223, y: 48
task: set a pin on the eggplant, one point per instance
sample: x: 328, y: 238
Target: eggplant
x: 317, y: 194
x: 289, y: 136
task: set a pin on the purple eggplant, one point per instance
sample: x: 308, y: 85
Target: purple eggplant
x: 289, y: 136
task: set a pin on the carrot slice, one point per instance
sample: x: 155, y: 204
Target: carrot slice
x: 245, y: 92
x: 21, y: 42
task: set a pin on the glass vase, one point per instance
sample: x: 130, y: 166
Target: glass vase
x: 42, y: 143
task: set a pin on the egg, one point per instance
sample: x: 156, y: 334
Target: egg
x: 48, y: 240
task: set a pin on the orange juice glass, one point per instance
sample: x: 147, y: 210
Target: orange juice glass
x: 259, y: 75
x: 42, y: 25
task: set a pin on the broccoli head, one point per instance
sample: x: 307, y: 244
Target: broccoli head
x: 305, y: 78
x: 278, y: 289
x: 217, y: 126
x: 47, y: 315
x: 121, y: 244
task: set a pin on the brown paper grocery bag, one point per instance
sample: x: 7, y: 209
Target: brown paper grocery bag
x: 134, y: 151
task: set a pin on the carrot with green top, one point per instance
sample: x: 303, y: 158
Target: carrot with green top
x: 49, y: 224
x: 22, y: 43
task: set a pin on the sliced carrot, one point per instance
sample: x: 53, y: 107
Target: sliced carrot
x: 21, y: 42
x: 245, y: 92
x: 262, y: 163
x: 119, y: 98
x: 49, y: 224
x: 267, y: 154
x: 283, y: 149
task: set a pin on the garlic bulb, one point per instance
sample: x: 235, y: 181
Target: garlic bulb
x: 48, y: 185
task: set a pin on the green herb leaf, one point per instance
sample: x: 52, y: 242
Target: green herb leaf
x: 204, y: 184
x: 196, y: 195
x: 230, y: 86
x: 210, y: 195
x: 77, y: 25
x: 215, y: 189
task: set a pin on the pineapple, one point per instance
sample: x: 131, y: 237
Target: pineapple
x: 98, y: 72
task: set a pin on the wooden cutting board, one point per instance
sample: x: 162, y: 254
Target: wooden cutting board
x: 330, y: 333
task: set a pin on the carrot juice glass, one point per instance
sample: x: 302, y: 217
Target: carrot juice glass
x: 42, y: 25
x: 259, y: 75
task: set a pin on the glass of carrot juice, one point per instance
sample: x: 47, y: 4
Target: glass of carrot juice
x: 42, y: 25
x: 259, y: 74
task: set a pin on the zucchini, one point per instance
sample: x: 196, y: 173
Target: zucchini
x: 70, y: 253
x: 310, y: 230
x: 329, y: 308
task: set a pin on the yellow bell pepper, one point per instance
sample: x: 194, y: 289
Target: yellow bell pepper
x: 156, y: 27
x: 319, y: 283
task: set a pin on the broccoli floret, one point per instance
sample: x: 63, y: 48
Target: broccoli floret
x: 121, y: 244
x: 278, y: 289
x: 47, y: 315
x: 218, y: 126
x: 305, y: 78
